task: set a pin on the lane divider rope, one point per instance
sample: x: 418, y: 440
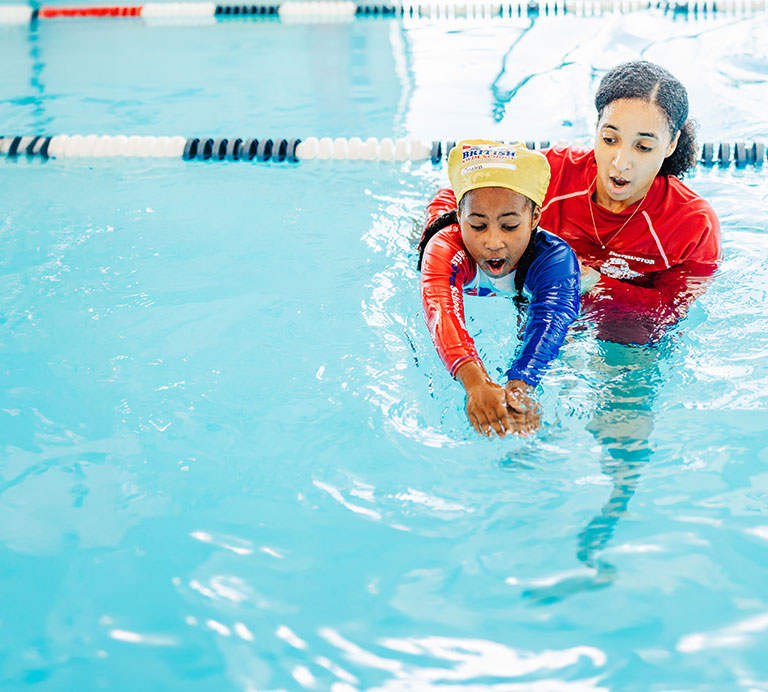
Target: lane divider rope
x: 292, y: 150
x: 347, y: 9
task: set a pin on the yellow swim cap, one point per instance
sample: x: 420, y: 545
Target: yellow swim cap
x: 475, y: 163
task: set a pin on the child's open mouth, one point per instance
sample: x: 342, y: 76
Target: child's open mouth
x: 496, y: 265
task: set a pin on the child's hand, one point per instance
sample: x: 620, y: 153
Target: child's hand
x: 524, y: 411
x: 486, y: 401
x: 487, y: 409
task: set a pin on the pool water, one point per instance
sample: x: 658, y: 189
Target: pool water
x: 231, y: 457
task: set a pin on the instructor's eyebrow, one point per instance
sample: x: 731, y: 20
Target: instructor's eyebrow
x: 639, y: 134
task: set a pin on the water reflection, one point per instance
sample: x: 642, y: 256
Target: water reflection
x: 439, y: 662
x: 622, y: 422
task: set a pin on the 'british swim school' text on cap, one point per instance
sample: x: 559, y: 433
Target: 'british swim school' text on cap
x: 475, y: 163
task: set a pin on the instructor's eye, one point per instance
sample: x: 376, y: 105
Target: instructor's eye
x: 477, y: 228
x: 511, y: 228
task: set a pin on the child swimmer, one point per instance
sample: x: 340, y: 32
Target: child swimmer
x: 488, y: 243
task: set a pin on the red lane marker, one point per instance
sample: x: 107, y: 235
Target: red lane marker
x: 117, y: 11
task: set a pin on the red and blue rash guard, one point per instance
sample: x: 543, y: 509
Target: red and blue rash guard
x: 652, y: 268
x: 448, y: 271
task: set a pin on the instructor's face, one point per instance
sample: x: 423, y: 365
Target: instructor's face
x: 632, y: 142
x: 496, y: 225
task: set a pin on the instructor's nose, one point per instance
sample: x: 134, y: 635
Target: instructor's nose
x: 622, y: 161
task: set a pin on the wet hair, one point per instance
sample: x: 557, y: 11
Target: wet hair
x: 640, y: 79
x: 451, y: 218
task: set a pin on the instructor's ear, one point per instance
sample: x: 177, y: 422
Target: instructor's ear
x: 672, y: 145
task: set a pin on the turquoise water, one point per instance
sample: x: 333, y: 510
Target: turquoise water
x: 231, y: 457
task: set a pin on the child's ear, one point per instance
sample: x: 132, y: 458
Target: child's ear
x: 535, y: 215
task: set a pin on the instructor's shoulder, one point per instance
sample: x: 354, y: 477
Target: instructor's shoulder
x: 689, y: 203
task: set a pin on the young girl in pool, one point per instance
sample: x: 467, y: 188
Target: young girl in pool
x: 482, y: 238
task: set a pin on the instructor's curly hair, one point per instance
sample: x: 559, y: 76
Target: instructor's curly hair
x: 640, y: 79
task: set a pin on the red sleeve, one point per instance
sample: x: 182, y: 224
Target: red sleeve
x: 702, y: 230
x: 445, y: 269
x: 443, y: 202
x: 664, y: 297
x: 555, y: 156
x: 564, y: 164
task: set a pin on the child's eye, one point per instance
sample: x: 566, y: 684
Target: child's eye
x: 477, y: 228
x: 642, y: 147
x: 511, y: 228
x: 609, y: 140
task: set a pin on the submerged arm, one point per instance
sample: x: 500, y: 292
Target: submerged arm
x: 630, y: 313
x: 641, y: 312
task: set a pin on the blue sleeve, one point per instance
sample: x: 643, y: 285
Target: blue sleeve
x: 553, y: 282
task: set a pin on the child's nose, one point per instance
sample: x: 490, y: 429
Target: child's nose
x: 494, y: 241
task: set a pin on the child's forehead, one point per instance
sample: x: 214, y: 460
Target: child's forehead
x: 486, y: 199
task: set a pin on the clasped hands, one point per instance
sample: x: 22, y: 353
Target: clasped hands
x: 496, y: 410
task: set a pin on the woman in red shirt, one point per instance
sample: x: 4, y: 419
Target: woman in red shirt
x: 647, y: 244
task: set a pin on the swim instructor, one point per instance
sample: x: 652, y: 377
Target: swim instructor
x: 647, y: 244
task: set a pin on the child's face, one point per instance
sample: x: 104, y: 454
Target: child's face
x: 496, y: 225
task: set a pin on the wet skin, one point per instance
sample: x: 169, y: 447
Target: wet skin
x: 631, y: 143
x: 496, y: 225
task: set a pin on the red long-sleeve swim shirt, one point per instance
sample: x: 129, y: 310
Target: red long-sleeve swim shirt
x: 652, y: 268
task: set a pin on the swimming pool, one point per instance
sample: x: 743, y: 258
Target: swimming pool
x: 231, y: 457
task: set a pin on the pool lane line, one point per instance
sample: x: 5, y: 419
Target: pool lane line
x: 294, y: 149
x: 63, y: 146
x: 346, y: 9
x: 114, y: 11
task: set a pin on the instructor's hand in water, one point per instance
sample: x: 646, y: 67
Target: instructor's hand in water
x: 492, y: 409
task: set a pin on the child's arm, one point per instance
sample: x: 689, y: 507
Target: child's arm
x: 487, y: 404
x: 446, y: 267
x: 553, y: 280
